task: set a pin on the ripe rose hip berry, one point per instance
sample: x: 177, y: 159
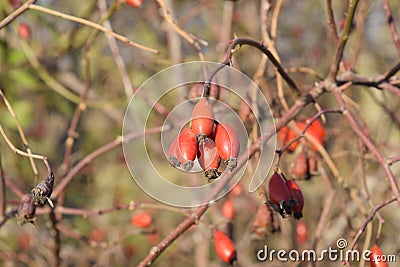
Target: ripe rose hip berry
x: 134, y: 3
x: 285, y: 136
x: 209, y: 159
x: 224, y: 247
x: 202, y: 122
x: 279, y: 194
x: 317, y: 131
x: 141, y: 220
x: 300, y: 168
x: 228, y: 145
x: 228, y: 209
x: 297, y: 200
x: 375, y: 258
x: 301, y: 232
x: 265, y: 222
x: 24, y: 31
x: 186, y: 149
x: 317, y: 128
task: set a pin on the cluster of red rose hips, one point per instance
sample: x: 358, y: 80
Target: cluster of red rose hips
x: 285, y: 196
x: 207, y: 140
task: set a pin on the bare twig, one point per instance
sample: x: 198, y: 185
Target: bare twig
x: 333, y: 70
x: 259, y: 46
x: 331, y: 21
x: 10, y: 18
x: 392, y: 26
x: 93, y: 25
x: 119, y: 61
x: 98, y: 152
x: 21, y: 133
x: 22, y: 153
x: 194, y: 41
x: 369, y: 218
x: 2, y: 190
x: 368, y: 143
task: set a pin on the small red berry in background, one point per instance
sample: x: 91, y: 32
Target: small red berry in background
x: 186, y: 150
x: 301, y: 232
x: 228, y: 209
x: 375, y: 258
x: 98, y: 235
x: 134, y: 3
x: 141, y: 220
x: 237, y: 190
x: 317, y: 131
x: 228, y: 145
x: 285, y: 136
x: 24, y: 31
x: 15, y: 3
x: 224, y: 247
x: 24, y: 241
x: 202, y: 122
x: 209, y: 159
x: 265, y: 222
x: 300, y: 167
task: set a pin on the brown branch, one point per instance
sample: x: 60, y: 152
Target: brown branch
x: 10, y: 18
x: 2, y: 190
x: 334, y: 68
x: 22, y: 135
x: 194, y: 41
x: 259, y: 46
x: 98, y: 152
x: 392, y: 26
x: 93, y: 25
x: 368, y: 143
x: 331, y: 21
x: 393, y: 159
x: 369, y: 218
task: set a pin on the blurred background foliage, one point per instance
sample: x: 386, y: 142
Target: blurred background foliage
x: 43, y: 76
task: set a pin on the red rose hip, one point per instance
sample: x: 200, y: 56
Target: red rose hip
x: 172, y: 156
x: 209, y: 159
x: 279, y: 194
x: 202, y: 122
x: 228, y: 145
x: 186, y: 149
x: 297, y: 199
x: 224, y: 247
x: 375, y: 258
